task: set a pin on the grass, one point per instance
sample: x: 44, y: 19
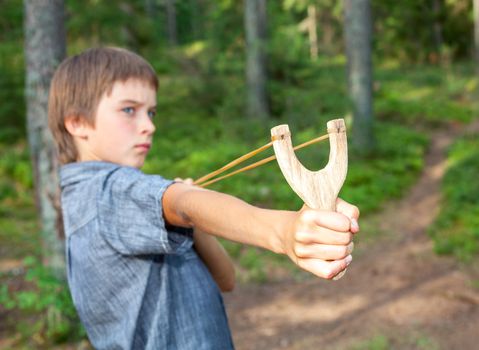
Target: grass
x: 412, y: 340
x: 456, y: 229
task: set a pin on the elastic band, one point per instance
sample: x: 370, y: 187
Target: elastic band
x: 203, y: 181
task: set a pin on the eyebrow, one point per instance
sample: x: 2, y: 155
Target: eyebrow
x: 134, y: 102
x: 131, y: 101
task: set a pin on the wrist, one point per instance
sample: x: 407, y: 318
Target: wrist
x: 282, y: 228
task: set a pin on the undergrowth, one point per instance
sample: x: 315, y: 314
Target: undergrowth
x: 456, y: 231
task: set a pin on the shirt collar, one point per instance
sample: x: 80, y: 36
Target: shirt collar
x: 79, y: 171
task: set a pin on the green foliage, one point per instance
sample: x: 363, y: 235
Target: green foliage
x: 456, y: 229
x: 418, y: 95
x: 401, y: 29
x: 378, y: 342
x: 48, y: 299
x: 12, y: 108
x: 393, y: 168
x: 412, y: 340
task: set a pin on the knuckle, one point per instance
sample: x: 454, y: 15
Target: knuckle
x: 300, y: 236
x: 344, y: 251
x: 329, y: 273
x: 355, y: 212
x: 299, y: 250
x: 345, y: 238
x: 348, y: 237
x: 305, y: 215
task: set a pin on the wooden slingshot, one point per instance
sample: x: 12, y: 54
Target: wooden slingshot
x: 318, y: 189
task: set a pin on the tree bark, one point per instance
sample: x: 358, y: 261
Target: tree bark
x: 358, y: 35
x: 309, y: 24
x: 171, y: 28
x: 476, y: 34
x: 255, y: 28
x: 196, y: 19
x: 45, y: 47
x: 437, y: 6
x: 312, y: 32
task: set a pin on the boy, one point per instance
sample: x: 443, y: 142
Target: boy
x: 135, y: 277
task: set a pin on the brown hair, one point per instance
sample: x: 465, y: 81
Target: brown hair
x: 80, y: 81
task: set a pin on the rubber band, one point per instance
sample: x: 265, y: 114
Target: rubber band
x: 233, y: 163
x: 203, y: 181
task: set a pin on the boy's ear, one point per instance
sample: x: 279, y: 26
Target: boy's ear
x: 77, y: 126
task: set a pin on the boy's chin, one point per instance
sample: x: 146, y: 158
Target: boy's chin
x: 137, y: 165
x: 133, y: 163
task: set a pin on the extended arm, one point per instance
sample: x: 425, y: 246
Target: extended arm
x: 317, y: 241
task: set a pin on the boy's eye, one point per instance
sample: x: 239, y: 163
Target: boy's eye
x: 128, y: 110
x: 151, y: 114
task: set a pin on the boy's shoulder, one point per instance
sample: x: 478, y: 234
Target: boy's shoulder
x: 74, y: 173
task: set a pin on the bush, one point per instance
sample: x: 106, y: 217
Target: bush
x: 456, y: 228
x: 47, y: 299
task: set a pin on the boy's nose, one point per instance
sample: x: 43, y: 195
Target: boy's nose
x: 147, y: 126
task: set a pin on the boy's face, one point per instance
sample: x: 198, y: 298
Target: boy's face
x: 123, y: 125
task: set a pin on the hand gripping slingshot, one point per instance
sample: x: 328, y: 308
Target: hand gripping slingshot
x: 318, y: 189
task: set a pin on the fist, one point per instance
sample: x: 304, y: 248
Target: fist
x: 321, y: 241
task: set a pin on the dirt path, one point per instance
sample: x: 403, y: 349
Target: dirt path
x: 397, y: 291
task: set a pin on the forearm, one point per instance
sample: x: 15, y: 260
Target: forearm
x: 216, y: 260
x: 225, y: 216
x: 317, y: 241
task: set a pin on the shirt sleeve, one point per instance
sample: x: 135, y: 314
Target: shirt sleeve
x: 131, y: 215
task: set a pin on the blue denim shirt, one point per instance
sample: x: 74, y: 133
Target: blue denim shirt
x: 135, y: 283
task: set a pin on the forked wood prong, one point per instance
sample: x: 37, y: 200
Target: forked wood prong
x: 318, y: 189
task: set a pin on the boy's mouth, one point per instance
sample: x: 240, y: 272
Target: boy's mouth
x: 143, y: 146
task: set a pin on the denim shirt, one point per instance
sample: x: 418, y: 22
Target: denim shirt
x: 135, y: 283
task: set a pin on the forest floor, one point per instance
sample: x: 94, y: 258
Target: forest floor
x: 397, y: 293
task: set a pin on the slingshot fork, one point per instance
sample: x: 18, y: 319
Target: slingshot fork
x: 318, y: 189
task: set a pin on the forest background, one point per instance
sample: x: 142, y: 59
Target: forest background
x: 424, y: 77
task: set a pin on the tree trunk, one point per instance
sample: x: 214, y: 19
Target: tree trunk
x: 196, y: 19
x: 312, y: 31
x: 358, y: 33
x: 327, y: 31
x: 255, y: 28
x: 437, y: 28
x: 45, y: 46
x: 171, y: 28
x: 476, y: 34
x: 150, y: 8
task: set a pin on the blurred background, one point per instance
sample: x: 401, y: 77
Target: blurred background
x: 403, y: 74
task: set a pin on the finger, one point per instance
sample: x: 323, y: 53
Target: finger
x: 328, y: 219
x: 323, y: 251
x: 323, y: 235
x: 188, y: 181
x: 343, y: 207
x: 325, y: 269
x: 349, y: 210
